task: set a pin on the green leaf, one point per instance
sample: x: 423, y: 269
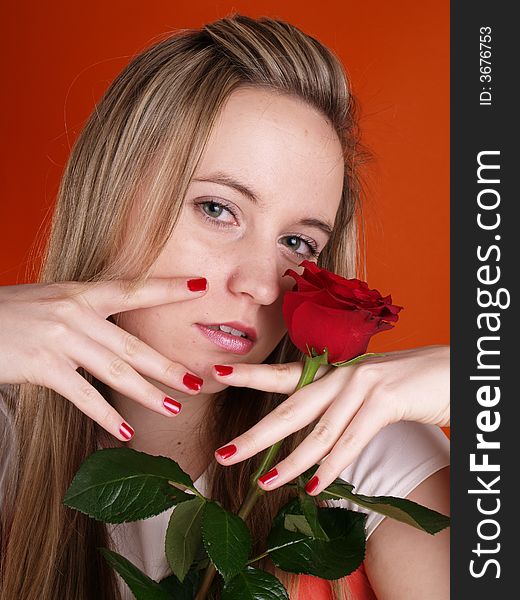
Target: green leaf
x: 142, y: 586
x: 356, y: 359
x: 181, y: 591
x: 310, y: 511
x: 298, y: 523
x: 184, y: 536
x: 117, y: 485
x: 226, y: 538
x: 254, y: 584
x: 296, y: 552
x: 399, y: 509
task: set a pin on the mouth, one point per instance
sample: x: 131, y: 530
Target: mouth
x: 233, y: 337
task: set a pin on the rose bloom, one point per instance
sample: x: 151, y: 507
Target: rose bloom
x: 327, y: 310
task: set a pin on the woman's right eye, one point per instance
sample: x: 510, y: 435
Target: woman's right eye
x: 211, y: 210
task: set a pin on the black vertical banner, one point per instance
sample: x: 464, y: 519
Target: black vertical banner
x: 485, y: 250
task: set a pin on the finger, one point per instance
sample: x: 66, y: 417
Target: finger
x: 316, y: 445
x: 278, y: 378
x: 361, y: 430
x: 300, y: 409
x: 120, y: 376
x: 111, y: 297
x: 142, y: 357
x: 72, y: 386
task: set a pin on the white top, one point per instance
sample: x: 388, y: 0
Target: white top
x: 395, y: 461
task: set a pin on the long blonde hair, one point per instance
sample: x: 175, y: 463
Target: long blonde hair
x: 151, y: 126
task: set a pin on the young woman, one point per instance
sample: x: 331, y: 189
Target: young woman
x: 216, y: 160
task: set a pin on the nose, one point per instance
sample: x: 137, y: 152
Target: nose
x: 259, y: 279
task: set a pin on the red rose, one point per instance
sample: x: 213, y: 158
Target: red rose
x: 326, y: 310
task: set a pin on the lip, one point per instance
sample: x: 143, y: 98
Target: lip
x: 249, y: 331
x: 227, y: 341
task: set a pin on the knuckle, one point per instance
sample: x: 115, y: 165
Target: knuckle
x: 248, y: 444
x: 88, y: 394
x: 286, y: 411
x: 328, y: 470
x: 367, y: 372
x: 48, y: 366
x: 322, y: 433
x: 347, y: 441
x: 289, y: 465
x: 117, y: 368
x: 62, y: 308
x: 125, y: 290
x: 106, y: 415
x: 150, y: 396
x: 132, y: 345
x: 57, y: 331
x: 170, y: 371
x: 282, y: 370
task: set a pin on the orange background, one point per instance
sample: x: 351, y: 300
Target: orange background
x: 58, y: 58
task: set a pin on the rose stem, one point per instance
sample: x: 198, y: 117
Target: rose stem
x: 310, y: 368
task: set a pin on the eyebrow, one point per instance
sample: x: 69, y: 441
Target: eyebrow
x: 227, y: 180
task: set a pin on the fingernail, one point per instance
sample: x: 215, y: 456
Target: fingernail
x: 126, y: 431
x: 192, y: 381
x: 223, y: 369
x: 268, y: 477
x: 312, y: 484
x: 172, y: 405
x: 226, y: 451
x: 197, y: 285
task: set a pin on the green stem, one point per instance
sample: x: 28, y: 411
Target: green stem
x: 310, y: 368
x: 253, y: 560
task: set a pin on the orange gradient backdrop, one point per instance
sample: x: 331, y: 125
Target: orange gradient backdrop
x: 58, y: 58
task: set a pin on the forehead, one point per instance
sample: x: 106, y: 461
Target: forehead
x: 285, y: 149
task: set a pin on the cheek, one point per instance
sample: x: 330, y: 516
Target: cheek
x: 154, y: 326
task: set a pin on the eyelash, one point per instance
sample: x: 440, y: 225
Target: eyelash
x: 310, y: 243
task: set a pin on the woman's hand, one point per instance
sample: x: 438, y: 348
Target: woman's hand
x: 47, y: 331
x: 352, y: 404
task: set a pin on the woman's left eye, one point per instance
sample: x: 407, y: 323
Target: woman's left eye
x: 217, y: 207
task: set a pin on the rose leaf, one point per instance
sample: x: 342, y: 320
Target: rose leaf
x: 298, y: 552
x: 184, y: 536
x: 142, y: 586
x: 401, y: 509
x: 254, y: 584
x: 118, y: 485
x: 226, y: 538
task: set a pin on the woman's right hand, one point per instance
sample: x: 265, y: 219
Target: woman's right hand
x: 47, y: 331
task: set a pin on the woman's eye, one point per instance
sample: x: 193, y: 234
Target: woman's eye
x: 213, y: 210
x: 299, y: 243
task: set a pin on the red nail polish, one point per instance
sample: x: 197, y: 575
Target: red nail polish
x: 226, y: 451
x: 223, y: 369
x: 126, y: 431
x: 268, y: 477
x: 197, y: 285
x: 312, y: 484
x: 172, y: 405
x: 192, y: 381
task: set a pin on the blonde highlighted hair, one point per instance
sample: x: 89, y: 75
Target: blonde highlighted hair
x: 148, y: 132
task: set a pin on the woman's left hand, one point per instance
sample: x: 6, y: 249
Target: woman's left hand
x: 352, y: 404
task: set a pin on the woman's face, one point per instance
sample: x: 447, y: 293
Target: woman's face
x: 271, y: 171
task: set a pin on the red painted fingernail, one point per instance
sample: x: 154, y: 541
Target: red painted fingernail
x: 197, y: 285
x: 172, y: 405
x: 226, y: 451
x: 192, y: 381
x: 126, y: 431
x: 312, y: 484
x: 223, y: 369
x: 268, y: 477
